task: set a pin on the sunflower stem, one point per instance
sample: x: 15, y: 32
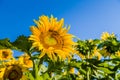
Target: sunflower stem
x: 88, y: 69
x: 88, y: 77
x: 34, y: 71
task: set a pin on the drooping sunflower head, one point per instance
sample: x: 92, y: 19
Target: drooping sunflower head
x: 14, y: 70
x: 51, y: 38
x: 5, y: 54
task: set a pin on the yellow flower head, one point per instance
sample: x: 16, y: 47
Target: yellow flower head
x: 106, y: 35
x: 2, y: 71
x: 117, y: 53
x: 5, y: 54
x: 25, y: 59
x: 14, y: 70
x: 72, y: 70
x: 51, y: 38
x: 97, y: 53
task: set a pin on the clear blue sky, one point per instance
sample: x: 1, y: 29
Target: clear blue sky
x: 88, y: 18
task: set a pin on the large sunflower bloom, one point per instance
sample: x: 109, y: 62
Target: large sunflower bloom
x: 5, y: 54
x: 51, y: 38
x: 14, y: 70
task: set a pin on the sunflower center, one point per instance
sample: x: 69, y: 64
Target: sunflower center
x: 49, y: 40
x: 52, y: 39
x: 4, y: 54
x: 13, y: 75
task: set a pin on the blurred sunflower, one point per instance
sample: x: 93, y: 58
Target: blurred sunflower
x: 106, y: 35
x: 51, y: 38
x: 117, y: 53
x: 25, y: 59
x: 5, y: 54
x: 2, y: 70
x: 96, y: 53
x: 72, y: 70
x: 14, y: 70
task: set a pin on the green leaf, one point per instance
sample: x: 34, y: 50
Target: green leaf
x: 118, y: 76
x: 75, y: 64
x: 46, y: 76
x: 96, y: 41
x: 5, y: 43
x: 43, y: 68
x: 83, y: 71
x: 114, y: 42
x: 40, y: 78
x: 57, y: 77
x: 105, y: 64
x: 22, y: 43
x: 105, y: 70
x: 29, y: 76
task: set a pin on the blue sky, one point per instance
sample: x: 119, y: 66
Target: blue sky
x: 88, y: 18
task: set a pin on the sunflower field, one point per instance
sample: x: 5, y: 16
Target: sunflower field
x: 51, y: 53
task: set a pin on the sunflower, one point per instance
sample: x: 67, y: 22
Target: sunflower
x: 97, y: 54
x: 106, y: 35
x: 51, y: 38
x: 5, y: 54
x: 2, y: 70
x: 72, y: 70
x: 25, y: 59
x: 117, y: 53
x: 14, y: 70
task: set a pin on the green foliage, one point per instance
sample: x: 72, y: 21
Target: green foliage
x: 89, y: 68
x: 111, y: 45
x: 22, y: 43
x: 5, y: 43
x: 87, y: 46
